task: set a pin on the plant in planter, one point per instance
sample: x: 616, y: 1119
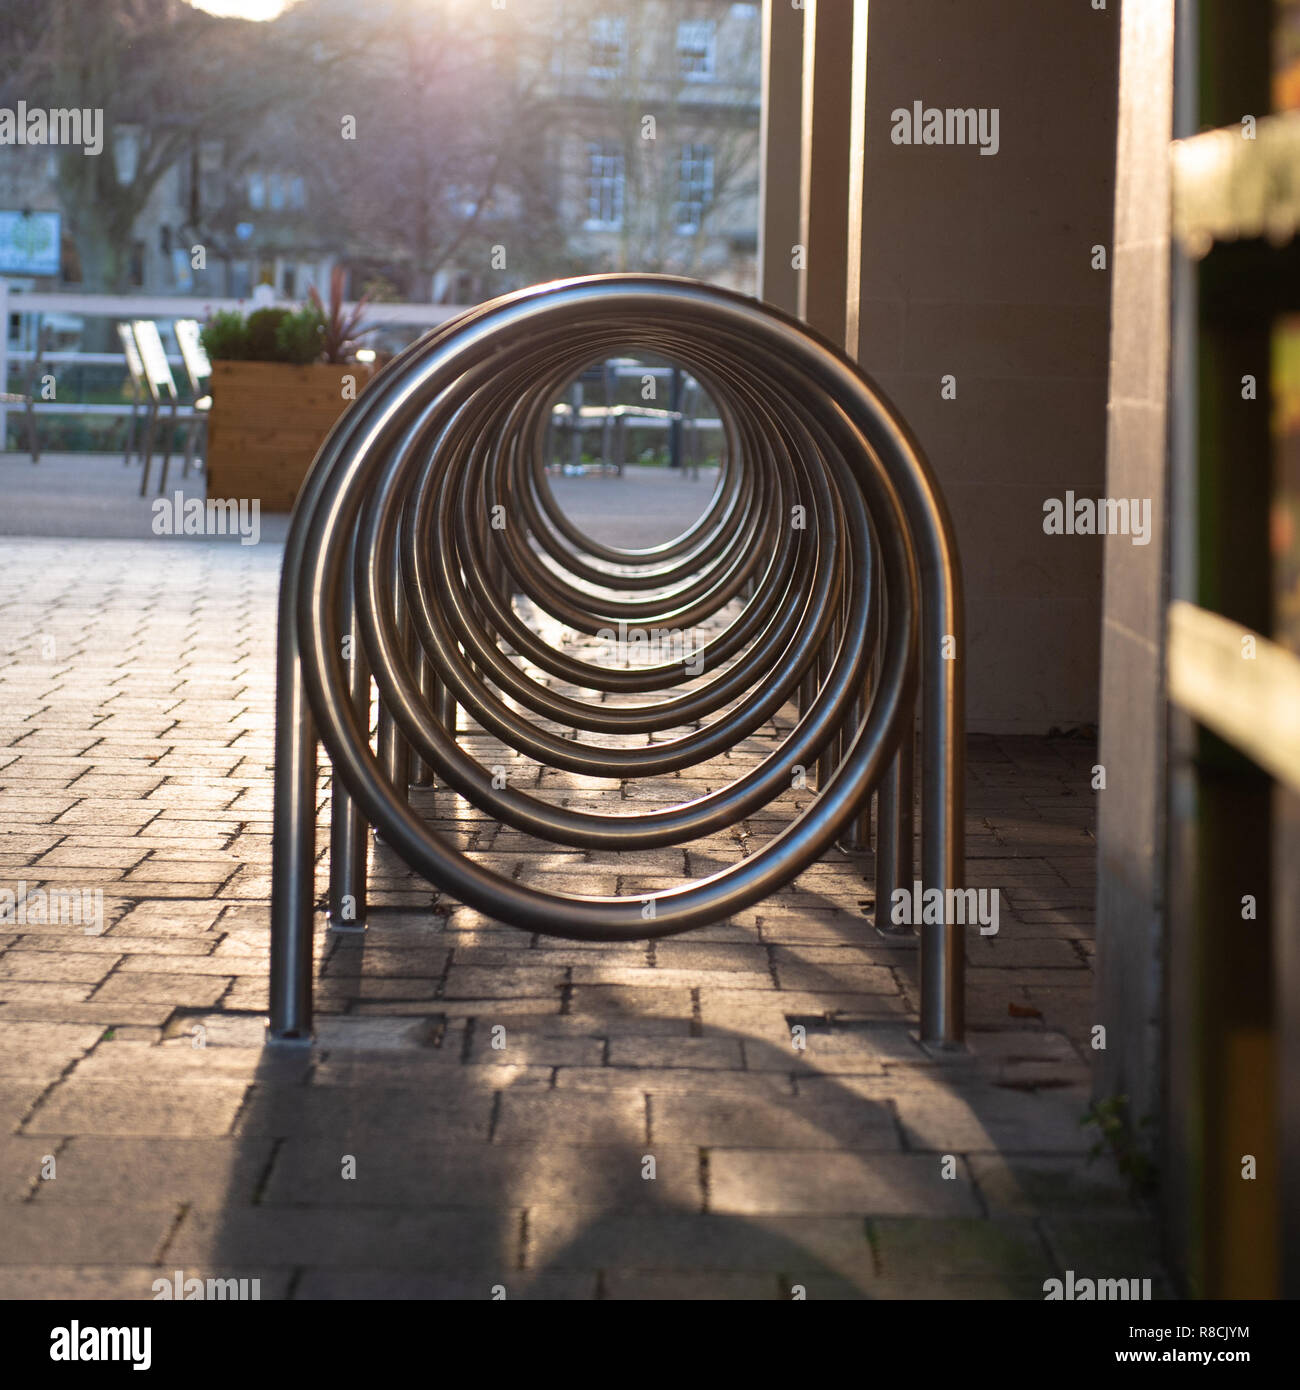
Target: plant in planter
x: 341, y: 331
x: 281, y: 377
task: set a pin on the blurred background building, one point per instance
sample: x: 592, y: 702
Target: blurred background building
x: 488, y: 148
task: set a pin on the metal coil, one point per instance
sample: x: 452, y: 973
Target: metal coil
x: 823, y: 569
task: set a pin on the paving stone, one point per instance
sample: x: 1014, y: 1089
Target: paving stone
x: 629, y: 1009
x: 126, y: 1173
x: 458, y: 1113
x: 188, y: 991
x: 656, y: 978
x: 63, y: 1010
x: 123, y: 1108
x: 837, y: 1048
x: 185, y: 1058
x: 675, y: 1052
x: 41, y: 1051
x: 40, y: 1234
x: 447, y: 1072
x: 789, y: 1182
x: 771, y: 1122
x: 178, y: 917
x: 377, y: 1238
x: 674, y: 1081
x: 40, y: 992
x: 679, y: 954
x: 118, y: 946
x: 82, y: 967
x: 919, y: 1250
x: 571, y: 1118
x: 193, y: 963
x: 562, y: 1238
x: 420, y: 1173
x: 536, y: 1049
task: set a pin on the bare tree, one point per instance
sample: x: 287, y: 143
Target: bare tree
x: 445, y: 164
x: 164, y: 75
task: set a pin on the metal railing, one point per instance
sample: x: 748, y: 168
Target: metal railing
x: 825, y: 555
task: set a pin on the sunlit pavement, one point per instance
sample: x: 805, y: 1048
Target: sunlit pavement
x: 484, y: 1109
x: 97, y: 496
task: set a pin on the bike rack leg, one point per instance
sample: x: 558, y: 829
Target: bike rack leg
x: 293, y: 851
x: 421, y: 772
x: 943, y: 778
x: 894, y: 833
x: 349, y: 833
x: 394, y: 751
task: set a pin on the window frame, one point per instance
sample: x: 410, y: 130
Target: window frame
x: 690, y: 156
x: 690, y: 32
x: 614, y: 39
x: 612, y: 154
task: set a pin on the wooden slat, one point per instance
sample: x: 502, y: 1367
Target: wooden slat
x: 1252, y: 702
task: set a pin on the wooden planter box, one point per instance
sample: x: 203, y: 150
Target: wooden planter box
x: 267, y: 421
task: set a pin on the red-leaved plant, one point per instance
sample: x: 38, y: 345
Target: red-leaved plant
x: 341, y: 331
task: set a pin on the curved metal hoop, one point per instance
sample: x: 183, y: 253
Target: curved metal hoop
x: 823, y: 571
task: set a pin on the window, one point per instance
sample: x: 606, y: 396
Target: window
x: 694, y: 188
x: 607, y: 47
x: 275, y: 191
x: 604, y: 186
x: 289, y: 282
x: 126, y: 153
x: 697, y: 49
x: 211, y: 189
x: 297, y: 192
x: 256, y: 191
x: 239, y: 283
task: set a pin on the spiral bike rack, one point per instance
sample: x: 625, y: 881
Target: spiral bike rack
x: 824, y: 565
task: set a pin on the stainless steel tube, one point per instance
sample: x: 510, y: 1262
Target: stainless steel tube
x: 427, y: 523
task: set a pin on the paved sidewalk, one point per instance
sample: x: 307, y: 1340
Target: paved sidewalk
x: 487, y: 1110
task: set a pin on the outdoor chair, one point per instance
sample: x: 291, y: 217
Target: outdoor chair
x: 162, y: 392
x: 198, y: 370
x: 27, y: 397
x: 139, y: 392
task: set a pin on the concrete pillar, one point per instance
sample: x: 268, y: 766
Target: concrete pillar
x: 981, y: 305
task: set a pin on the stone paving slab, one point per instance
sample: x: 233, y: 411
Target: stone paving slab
x: 729, y: 1114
